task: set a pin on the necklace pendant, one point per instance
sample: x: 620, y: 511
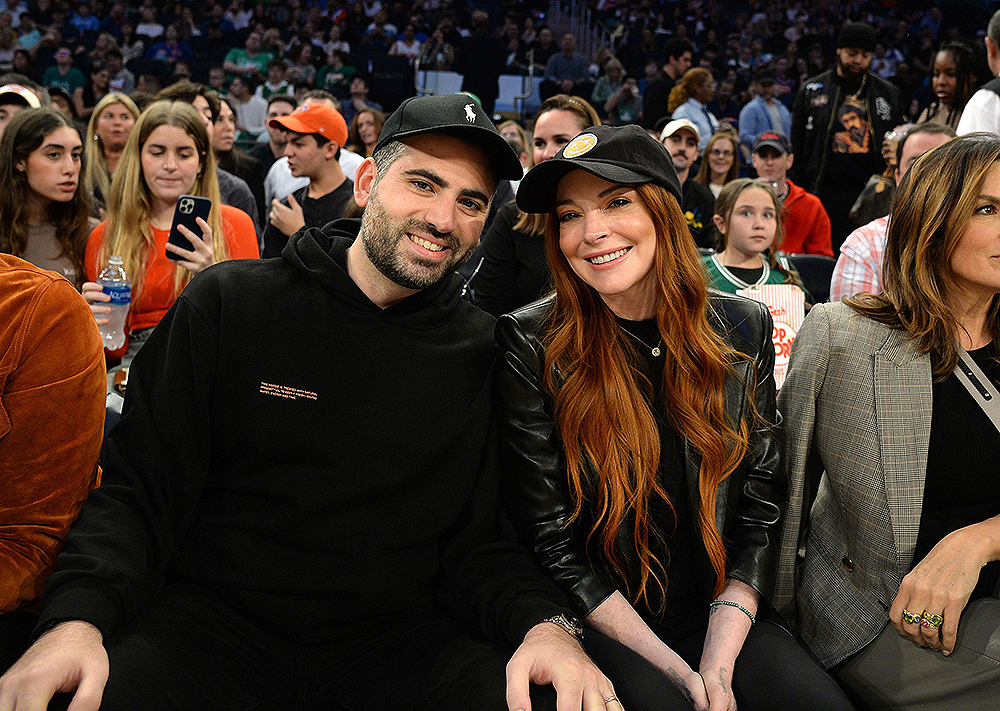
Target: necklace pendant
x: 656, y: 351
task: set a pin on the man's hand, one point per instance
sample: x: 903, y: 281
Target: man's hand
x: 288, y: 220
x: 550, y: 655
x: 68, y: 657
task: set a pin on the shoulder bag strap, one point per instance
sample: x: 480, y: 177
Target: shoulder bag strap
x: 983, y: 391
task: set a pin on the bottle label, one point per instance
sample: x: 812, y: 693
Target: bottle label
x: 119, y: 294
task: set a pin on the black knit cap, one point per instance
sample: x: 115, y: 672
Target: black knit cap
x: 618, y: 154
x: 457, y: 115
x: 857, y: 34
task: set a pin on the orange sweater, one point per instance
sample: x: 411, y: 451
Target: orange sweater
x: 52, y: 384
x: 157, y: 294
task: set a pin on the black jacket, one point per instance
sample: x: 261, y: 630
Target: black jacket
x: 750, y: 501
x: 813, y: 117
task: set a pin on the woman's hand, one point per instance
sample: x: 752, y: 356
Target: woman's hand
x: 727, y: 630
x: 202, y: 256
x: 95, y: 296
x: 719, y: 687
x: 941, y: 584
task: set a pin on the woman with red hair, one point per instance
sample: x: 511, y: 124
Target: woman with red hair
x: 637, y: 417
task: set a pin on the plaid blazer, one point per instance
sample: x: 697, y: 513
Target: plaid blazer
x: 857, y: 411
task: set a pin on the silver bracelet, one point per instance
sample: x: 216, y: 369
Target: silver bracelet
x: 738, y: 606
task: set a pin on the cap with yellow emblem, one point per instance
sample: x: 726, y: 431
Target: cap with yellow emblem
x: 618, y: 154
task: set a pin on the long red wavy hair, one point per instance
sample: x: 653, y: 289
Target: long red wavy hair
x: 602, y: 410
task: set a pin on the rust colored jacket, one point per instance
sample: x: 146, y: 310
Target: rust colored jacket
x: 52, y: 390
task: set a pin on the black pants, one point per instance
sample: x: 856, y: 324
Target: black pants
x: 192, y: 651
x: 772, y: 673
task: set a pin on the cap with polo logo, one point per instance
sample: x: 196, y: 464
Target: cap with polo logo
x: 775, y: 140
x: 315, y: 118
x: 454, y: 114
x: 619, y: 154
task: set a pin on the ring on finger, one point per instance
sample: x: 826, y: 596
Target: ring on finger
x: 935, y: 620
x: 909, y: 618
x: 610, y: 699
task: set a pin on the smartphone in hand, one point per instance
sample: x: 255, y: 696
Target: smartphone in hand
x: 187, y: 209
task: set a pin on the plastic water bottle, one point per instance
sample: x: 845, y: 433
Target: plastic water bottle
x: 114, y: 281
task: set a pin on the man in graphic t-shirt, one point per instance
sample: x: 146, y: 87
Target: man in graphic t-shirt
x: 839, y: 121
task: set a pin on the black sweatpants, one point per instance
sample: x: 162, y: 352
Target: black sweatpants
x: 192, y: 651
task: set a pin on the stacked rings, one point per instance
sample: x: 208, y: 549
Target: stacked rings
x: 610, y: 699
x: 910, y: 618
x: 931, y: 620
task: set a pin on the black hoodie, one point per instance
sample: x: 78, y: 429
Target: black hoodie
x: 310, y: 457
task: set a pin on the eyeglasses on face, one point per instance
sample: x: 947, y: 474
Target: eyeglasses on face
x: 720, y: 153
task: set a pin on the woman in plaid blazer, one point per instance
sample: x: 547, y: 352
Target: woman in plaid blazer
x: 892, y: 525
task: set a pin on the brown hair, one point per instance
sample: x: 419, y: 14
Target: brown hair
x: 930, y: 213
x: 354, y: 142
x: 602, y: 410
x: 684, y: 89
x: 724, y: 206
x: 534, y: 224
x: 25, y: 133
x: 704, y: 175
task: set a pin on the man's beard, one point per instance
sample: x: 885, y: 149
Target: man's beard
x: 382, y: 239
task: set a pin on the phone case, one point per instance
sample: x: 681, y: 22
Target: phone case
x: 188, y: 208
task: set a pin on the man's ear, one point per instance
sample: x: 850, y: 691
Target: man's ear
x: 330, y: 149
x: 791, y: 159
x: 364, y: 181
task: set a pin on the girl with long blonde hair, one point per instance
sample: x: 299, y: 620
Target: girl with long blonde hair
x: 168, y: 154
x: 107, y: 132
x: 510, y: 268
x: 637, y: 420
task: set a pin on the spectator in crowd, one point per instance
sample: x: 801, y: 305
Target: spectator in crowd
x: 280, y: 182
x: 407, y: 45
x: 544, y: 47
x: 232, y: 158
x: 859, y: 268
x: 169, y: 154
x: 60, y: 101
x: 607, y: 84
x: 53, y: 401
x: 24, y: 64
x: 690, y: 488
x: 172, y: 49
x: 131, y: 46
x: 721, y: 164
x: 889, y: 545
x: 150, y: 26
x: 982, y: 113
x: 335, y: 76
x: 107, y: 133
x: 724, y: 106
x: 358, y: 99
x: 249, y: 62
x: 120, y: 79
x: 380, y: 34
x: 510, y: 270
x: 43, y: 210
x: 317, y: 134
x: 567, y: 72
x: 839, y: 121
x: 624, y: 106
x: 251, y: 110
x: 14, y: 99
x: 335, y: 41
x: 689, y: 100
x: 806, y: 225
x: 364, y: 131
x: 449, y: 590
x: 480, y: 60
x: 677, y: 55
x: 748, y: 221
x: 63, y: 74
x: 86, y: 97
x: 681, y: 138
x: 763, y: 112
x: 439, y: 53
x: 275, y: 82
x: 958, y: 70
x: 267, y: 153
x: 301, y: 70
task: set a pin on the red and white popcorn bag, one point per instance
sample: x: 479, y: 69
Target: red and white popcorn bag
x: 787, y: 304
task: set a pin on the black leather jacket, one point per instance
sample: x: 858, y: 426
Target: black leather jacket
x: 750, y: 501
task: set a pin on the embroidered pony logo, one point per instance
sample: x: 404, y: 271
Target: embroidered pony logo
x: 470, y: 115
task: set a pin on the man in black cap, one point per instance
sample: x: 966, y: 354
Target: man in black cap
x: 299, y: 507
x: 838, y: 122
x: 763, y: 113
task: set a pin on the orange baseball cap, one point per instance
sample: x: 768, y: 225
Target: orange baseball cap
x: 315, y: 118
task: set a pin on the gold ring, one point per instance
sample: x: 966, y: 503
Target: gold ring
x: 909, y: 618
x: 610, y: 699
x: 934, y: 620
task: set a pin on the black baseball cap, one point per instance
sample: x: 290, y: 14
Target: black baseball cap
x: 457, y: 115
x: 618, y: 154
x: 764, y: 76
x: 775, y: 140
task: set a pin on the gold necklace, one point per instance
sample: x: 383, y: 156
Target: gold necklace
x: 654, y: 350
